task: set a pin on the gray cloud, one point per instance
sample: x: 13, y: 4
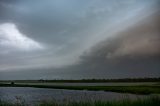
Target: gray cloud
x: 80, y: 35
x: 141, y: 40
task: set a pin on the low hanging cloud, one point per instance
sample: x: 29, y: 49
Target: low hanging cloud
x: 137, y: 41
x: 141, y: 40
x: 148, y: 46
x: 11, y: 38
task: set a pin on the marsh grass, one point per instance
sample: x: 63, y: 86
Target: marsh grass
x: 150, y: 101
x: 122, y: 89
x: 5, y: 103
x: 19, y: 102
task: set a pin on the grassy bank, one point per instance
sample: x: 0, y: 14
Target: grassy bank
x: 150, y: 101
x: 121, y: 89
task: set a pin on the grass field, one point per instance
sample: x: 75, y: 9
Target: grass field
x: 150, y: 101
x: 135, y: 89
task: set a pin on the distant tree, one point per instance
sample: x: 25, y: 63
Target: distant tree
x: 42, y: 80
x: 12, y: 83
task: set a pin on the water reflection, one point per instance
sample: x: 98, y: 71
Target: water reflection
x: 34, y: 95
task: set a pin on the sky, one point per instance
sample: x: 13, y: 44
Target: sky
x: 78, y: 39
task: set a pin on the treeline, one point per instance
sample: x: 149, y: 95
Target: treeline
x: 88, y: 80
x: 106, y: 80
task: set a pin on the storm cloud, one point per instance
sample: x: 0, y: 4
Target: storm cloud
x: 79, y: 39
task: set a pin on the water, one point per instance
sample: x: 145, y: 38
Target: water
x: 34, y: 95
x: 91, y: 84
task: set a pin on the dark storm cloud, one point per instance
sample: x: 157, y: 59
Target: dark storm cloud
x: 134, y: 52
x: 140, y: 40
x: 74, y: 39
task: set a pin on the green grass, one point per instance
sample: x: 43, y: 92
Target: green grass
x: 150, y: 101
x: 122, y: 89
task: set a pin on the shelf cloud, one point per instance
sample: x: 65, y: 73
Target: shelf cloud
x: 79, y: 39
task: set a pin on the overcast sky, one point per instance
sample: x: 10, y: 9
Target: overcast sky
x: 75, y: 39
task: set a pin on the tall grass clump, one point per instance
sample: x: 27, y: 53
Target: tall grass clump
x: 150, y: 101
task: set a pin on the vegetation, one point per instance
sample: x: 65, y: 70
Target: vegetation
x: 136, y: 89
x: 123, y: 89
x: 150, y: 101
x: 91, y: 80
